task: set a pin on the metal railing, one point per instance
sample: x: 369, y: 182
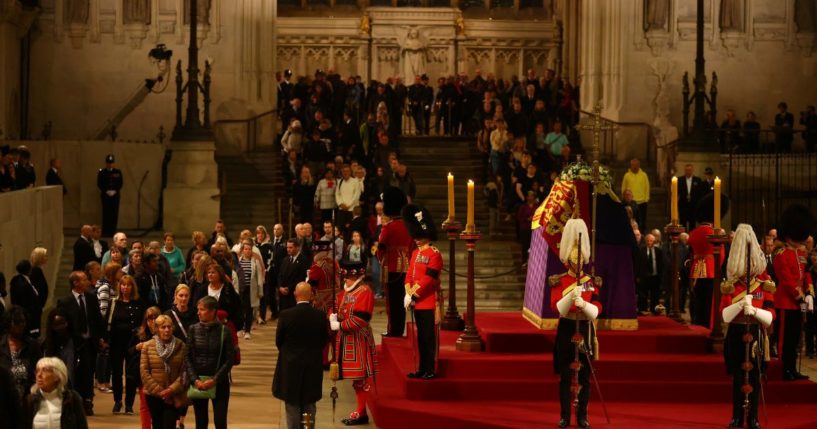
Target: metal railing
x: 609, y: 143
x: 253, y: 128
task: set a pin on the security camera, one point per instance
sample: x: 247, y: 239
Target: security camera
x: 160, y: 53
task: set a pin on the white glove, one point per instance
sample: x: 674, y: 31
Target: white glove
x: 407, y: 301
x: 579, y: 302
x: 749, y: 310
x: 747, y: 300
x: 110, y: 193
x: 809, y: 303
x: 577, y: 292
x: 333, y: 317
x: 334, y: 325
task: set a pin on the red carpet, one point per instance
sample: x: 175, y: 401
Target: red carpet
x: 658, y: 377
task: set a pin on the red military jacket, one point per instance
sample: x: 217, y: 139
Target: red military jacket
x: 762, y: 289
x: 789, y: 267
x: 703, y: 259
x: 354, y: 344
x: 423, y: 273
x: 394, y: 246
x: 320, y: 277
x: 565, y: 284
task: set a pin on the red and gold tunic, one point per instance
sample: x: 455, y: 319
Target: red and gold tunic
x: 789, y: 267
x: 394, y: 246
x: 703, y: 259
x: 354, y: 344
x: 762, y: 289
x: 423, y: 276
x: 563, y: 350
x: 562, y: 285
x: 319, y: 276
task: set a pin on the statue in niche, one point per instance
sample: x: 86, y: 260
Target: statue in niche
x: 202, y: 12
x: 732, y: 15
x: 136, y: 12
x: 804, y: 16
x: 656, y: 14
x: 76, y: 12
x: 365, y: 24
x: 412, y: 50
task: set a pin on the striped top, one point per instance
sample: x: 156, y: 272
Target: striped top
x: 246, y: 271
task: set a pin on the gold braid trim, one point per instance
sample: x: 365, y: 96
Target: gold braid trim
x: 768, y: 286
x: 555, y: 278
x: 728, y: 287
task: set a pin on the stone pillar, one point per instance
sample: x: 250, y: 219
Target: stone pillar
x: 571, y: 44
x: 192, y: 197
x: 590, y: 52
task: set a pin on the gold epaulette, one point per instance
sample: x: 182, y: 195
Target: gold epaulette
x: 554, y: 279
x: 778, y: 250
x: 436, y: 250
x: 597, y: 281
x: 728, y: 286
x: 768, y: 286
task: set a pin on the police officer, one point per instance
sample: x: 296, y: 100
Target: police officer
x: 109, y: 182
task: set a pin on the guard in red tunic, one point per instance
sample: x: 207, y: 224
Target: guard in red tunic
x: 354, y: 343
x: 423, y: 287
x: 702, y: 269
x: 789, y: 266
x: 574, y: 297
x: 394, y: 248
x: 749, y: 313
x: 320, y: 275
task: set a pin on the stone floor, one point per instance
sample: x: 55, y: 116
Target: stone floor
x: 251, y: 403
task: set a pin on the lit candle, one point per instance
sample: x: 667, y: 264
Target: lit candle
x: 674, y: 205
x: 450, y: 196
x: 717, y: 203
x: 469, y: 224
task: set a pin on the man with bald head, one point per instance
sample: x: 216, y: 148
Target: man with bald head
x: 83, y: 248
x: 300, y: 338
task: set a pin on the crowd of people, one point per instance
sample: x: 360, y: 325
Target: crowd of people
x: 746, y: 138
x: 17, y: 171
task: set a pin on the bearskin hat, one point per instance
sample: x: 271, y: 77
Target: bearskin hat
x: 705, y: 210
x: 419, y: 223
x: 574, y: 228
x: 796, y: 223
x: 393, y: 201
x: 352, y: 268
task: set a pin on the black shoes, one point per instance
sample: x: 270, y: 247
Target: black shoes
x: 129, y: 411
x: 794, y: 375
x: 89, y: 408
x: 734, y: 423
x: 563, y: 423
x: 422, y: 375
x: 583, y: 423
x: 356, y: 421
x: 117, y: 407
x: 754, y: 424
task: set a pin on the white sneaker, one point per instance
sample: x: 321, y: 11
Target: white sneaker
x: 246, y: 335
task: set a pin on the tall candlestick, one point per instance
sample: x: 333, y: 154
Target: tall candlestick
x: 674, y: 204
x: 469, y: 223
x: 717, y: 204
x: 450, y: 196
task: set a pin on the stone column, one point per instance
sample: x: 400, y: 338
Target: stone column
x: 191, y: 198
x: 9, y: 71
x: 571, y: 24
x: 591, y: 50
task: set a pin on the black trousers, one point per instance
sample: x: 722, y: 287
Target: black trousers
x: 566, y: 397
x: 703, y: 302
x: 246, y: 308
x: 118, y: 360
x: 735, y: 356
x: 426, y: 339
x: 84, y: 373
x: 110, y: 214
x: 649, y: 292
x: 162, y: 414
x: 810, y: 328
x: 395, y: 292
x: 220, y: 405
x: 270, y: 299
x: 790, y: 327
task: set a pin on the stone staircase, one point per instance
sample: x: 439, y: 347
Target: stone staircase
x: 500, y: 278
x: 253, y: 189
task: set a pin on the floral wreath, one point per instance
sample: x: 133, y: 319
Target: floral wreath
x: 581, y: 170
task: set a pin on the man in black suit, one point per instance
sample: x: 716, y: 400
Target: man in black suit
x: 293, y: 271
x: 82, y: 310
x: 651, y: 269
x: 278, y: 254
x: 690, y: 190
x: 83, y: 248
x: 52, y: 177
x: 100, y: 246
x: 300, y: 339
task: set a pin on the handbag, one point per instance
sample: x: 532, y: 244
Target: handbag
x: 193, y: 392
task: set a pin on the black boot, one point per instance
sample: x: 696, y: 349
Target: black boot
x: 354, y: 420
x: 563, y: 422
x: 735, y: 423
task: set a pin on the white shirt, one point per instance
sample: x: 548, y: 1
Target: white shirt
x: 214, y: 293
x: 50, y: 411
x: 97, y: 248
x: 689, y: 187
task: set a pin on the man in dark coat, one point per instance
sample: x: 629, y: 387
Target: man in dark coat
x: 690, y: 190
x: 109, y: 182
x: 83, y: 248
x: 52, y: 176
x: 293, y: 271
x: 81, y: 308
x: 300, y: 338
